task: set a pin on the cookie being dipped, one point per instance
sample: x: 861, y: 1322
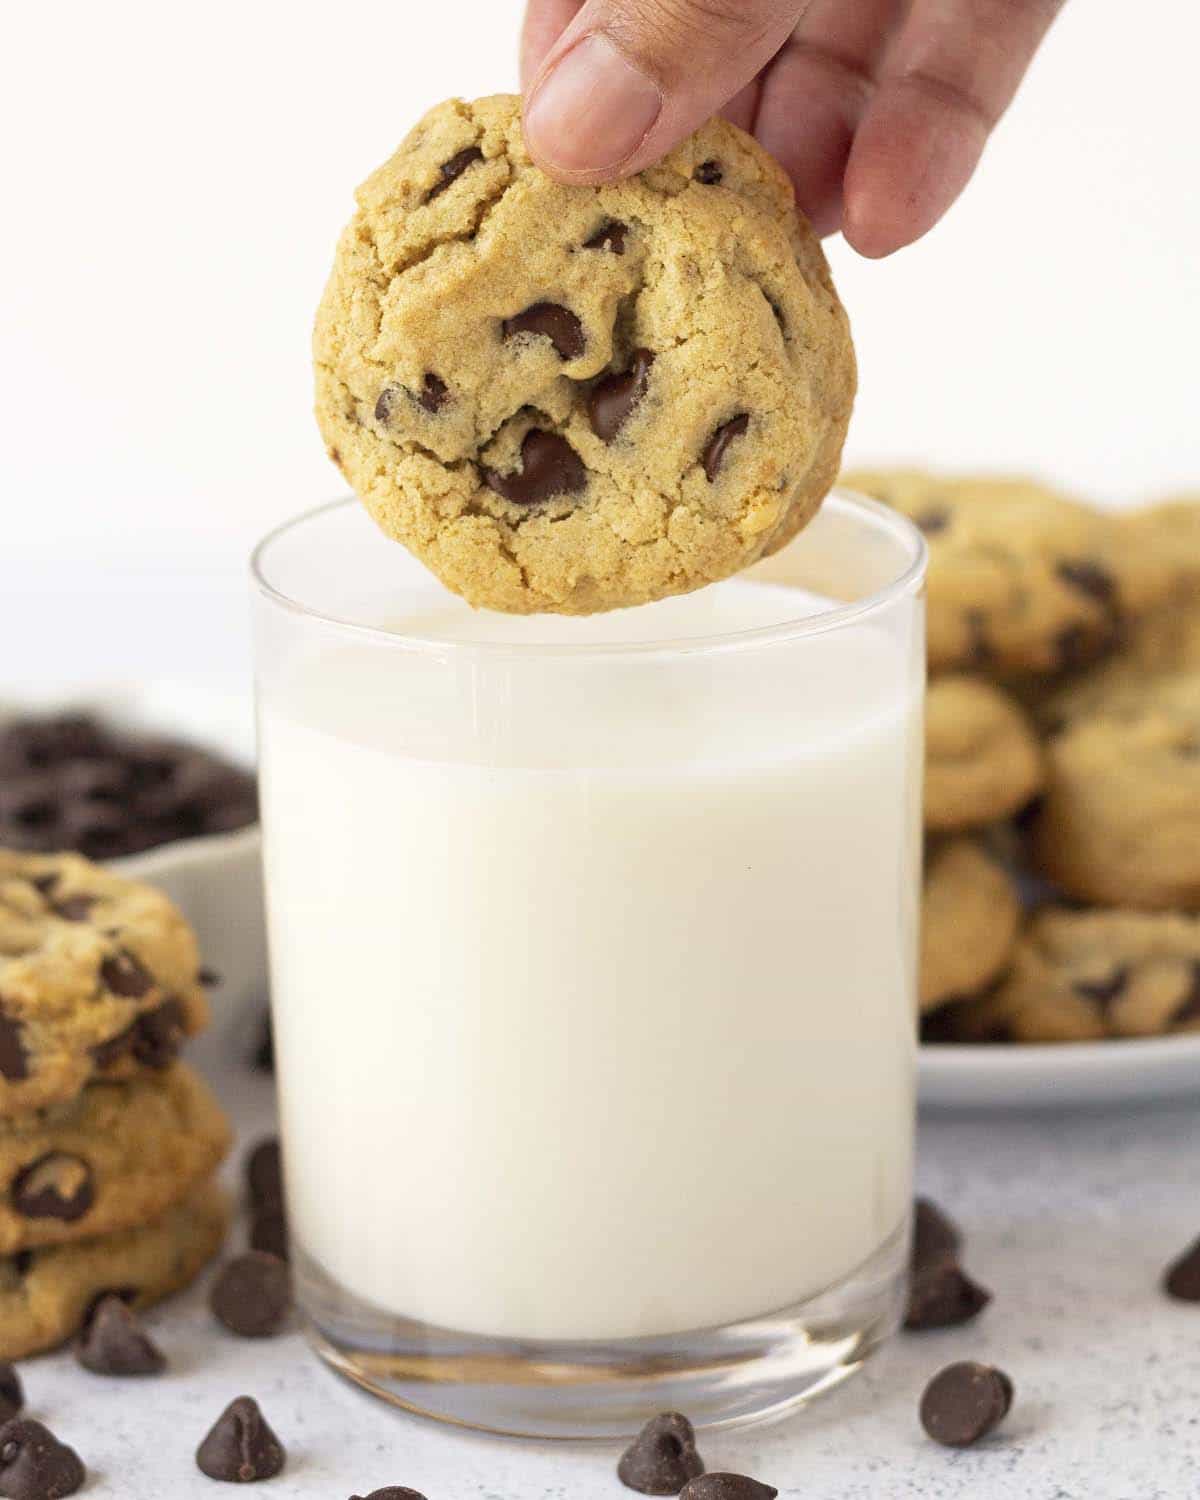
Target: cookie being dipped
x: 577, y: 399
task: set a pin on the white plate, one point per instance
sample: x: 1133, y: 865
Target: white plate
x: 1060, y: 1076
x: 216, y: 881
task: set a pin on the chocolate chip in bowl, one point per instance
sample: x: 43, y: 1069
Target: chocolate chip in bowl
x: 71, y: 781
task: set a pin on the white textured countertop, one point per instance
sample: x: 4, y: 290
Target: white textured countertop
x: 1069, y: 1220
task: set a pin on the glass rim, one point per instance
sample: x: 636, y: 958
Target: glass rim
x: 841, y: 499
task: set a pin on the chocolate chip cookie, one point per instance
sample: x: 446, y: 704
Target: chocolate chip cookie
x: 1174, y: 526
x: 576, y: 399
x: 1120, y: 817
x: 1085, y: 976
x: 1161, y: 645
x: 983, y: 761
x: 970, y: 914
x: 47, y: 1294
x: 99, y: 977
x: 117, y: 1155
x: 1021, y: 579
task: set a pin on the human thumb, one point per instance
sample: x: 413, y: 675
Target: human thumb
x: 629, y: 79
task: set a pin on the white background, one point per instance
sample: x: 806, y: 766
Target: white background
x: 174, y: 180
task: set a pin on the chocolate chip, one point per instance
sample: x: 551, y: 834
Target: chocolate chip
x: 385, y: 402
x: 124, y: 976
x: 549, y: 320
x: 979, y: 646
x: 433, y: 394
x: 46, y: 883
x: 391, y: 1492
x: 253, y: 1295
x: 936, y: 1236
x: 74, y: 908
x: 1188, y: 1006
x: 942, y: 1295
x: 549, y: 467
x: 14, y: 1060
x: 113, y: 1342
x: 610, y: 236
x: 964, y: 1402
x: 709, y: 173
x: 1182, y: 1278
x: 12, y: 1396
x: 727, y: 1487
x: 264, y: 1173
x: 614, y: 398
x: 932, y: 520
x: 453, y: 169
x: 158, y: 1035
x: 126, y: 1294
x: 1103, y: 991
x: 56, y: 1186
x: 209, y: 978
x: 662, y: 1458
x: 269, y: 1232
x: 714, y: 454
x: 1090, y: 579
x: 240, y: 1447
x: 1075, y: 646
x: 34, y: 1465
x: 264, y: 1053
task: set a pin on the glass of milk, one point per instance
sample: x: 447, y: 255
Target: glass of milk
x: 593, y: 964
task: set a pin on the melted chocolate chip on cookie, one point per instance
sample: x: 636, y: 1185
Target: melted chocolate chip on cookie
x: 549, y: 320
x: 549, y: 467
x: 453, y: 169
x: 611, y: 403
x: 14, y: 1060
x: 55, y: 1186
x: 709, y: 173
x: 714, y: 454
x: 1091, y: 579
x: 610, y: 236
x: 125, y: 976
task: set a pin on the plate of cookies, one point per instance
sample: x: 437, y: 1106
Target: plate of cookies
x: 155, y: 784
x: 1060, y: 954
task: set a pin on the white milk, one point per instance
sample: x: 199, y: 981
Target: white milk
x: 615, y: 1037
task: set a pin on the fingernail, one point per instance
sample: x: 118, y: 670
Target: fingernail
x: 593, y: 110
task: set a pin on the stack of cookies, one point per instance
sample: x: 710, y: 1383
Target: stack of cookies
x: 1062, y: 811
x: 108, y: 1145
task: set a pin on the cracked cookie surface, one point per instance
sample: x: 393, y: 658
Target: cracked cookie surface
x: 1085, y: 976
x: 46, y: 1294
x: 982, y: 757
x: 117, y: 1155
x: 970, y: 915
x: 1021, y: 578
x: 99, y: 977
x: 577, y: 399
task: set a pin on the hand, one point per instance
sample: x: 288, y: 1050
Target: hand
x: 879, y: 109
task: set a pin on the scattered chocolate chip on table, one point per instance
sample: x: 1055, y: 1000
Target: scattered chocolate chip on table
x: 662, y: 1458
x: 34, y: 1465
x: 252, y: 1295
x: 964, y: 1402
x: 240, y: 1447
x: 113, y: 1342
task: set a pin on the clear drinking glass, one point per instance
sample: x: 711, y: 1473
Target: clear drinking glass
x: 593, y: 962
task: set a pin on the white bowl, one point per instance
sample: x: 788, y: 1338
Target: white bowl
x: 216, y: 881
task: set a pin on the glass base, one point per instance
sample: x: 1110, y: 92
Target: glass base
x: 747, y: 1372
